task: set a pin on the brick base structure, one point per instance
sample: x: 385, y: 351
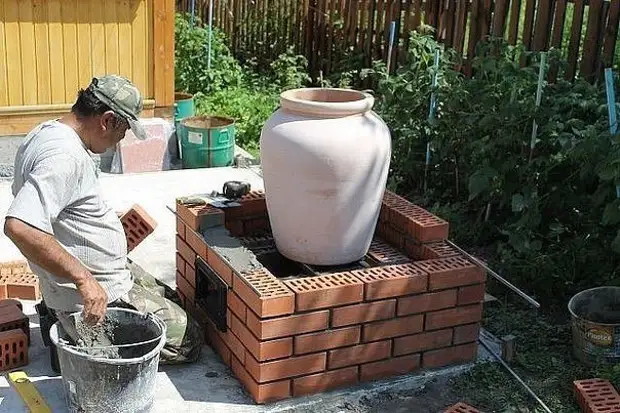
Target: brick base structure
x: 287, y: 329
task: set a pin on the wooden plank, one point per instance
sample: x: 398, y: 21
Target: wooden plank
x: 528, y: 23
x: 515, y: 15
x: 575, y: 39
x: 611, y: 33
x: 542, y: 26
x: 398, y: 17
x: 484, y: 20
x: 499, y: 18
x: 56, y: 47
x: 139, y: 63
x: 459, y: 26
x: 363, y: 25
x: 368, y: 47
x: 591, y: 46
x: 558, y: 34
x: 110, y: 27
x: 353, y: 28
x: 379, y: 29
x: 387, y: 24
x: 473, y: 35
x: 97, y: 37
x: 163, y: 49
x: 124, y: 13
x: 4, y: 88
x: 13, y: 52
x: 169, y: 57
x: 84, y: 54
x: 449, y: 18
x: 69, y: 36
x: 40, y: 20
x: 28, y: 52
x: 417, y: 14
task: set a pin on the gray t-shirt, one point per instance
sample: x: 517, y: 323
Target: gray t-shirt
x: 56, y: 190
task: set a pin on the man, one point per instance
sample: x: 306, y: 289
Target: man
x: 73, y: 241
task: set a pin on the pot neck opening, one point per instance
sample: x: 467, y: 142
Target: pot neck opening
x: 326, y: 102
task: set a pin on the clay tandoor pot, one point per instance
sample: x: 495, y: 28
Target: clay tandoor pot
x: 325, y: 157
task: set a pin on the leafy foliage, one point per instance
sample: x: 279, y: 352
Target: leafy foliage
x: 192, y: 72
x: 549, y: 213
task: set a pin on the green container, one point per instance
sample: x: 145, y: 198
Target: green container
x: 207, y: 141
x: 183, y: 106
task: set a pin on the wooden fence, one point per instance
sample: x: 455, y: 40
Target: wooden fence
x: 325, y: 31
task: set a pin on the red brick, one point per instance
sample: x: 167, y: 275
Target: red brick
x: 262, y: 350
x: 387, y: 368
x: 450, y: 355
x: 13, y: 349
x: 453, y: 317
x: 10, y: 302
x: 180, y: 228
x: 236, y: 227
x: 421, y: 342
x: 385, y: 254
x: 451, y: 272
x: 285, y: 368
x: 414, y: 249
x: 3, y: 292
x: 23, y: 285
x: 236, y: 305
x: 597, y: 395
x: 186, y: 252
x: 252, y: 205
x: 393, y: 236
x: 233, y: 343
x: 396, y: 327
x: 326, y: 340
x: 436, y: 250
x: 197, y: 243
x: 186, y: 289
x: 268, y: 297
x: 261, y: 393
x: 324, y: 291
x: 471, y: 294
x: 182, y: 298
x: 11, y: 317
x: 220, y: 266
x: 287, y: 326
x: 14, y: 267
x: 423, y: 303
x: 320, y: 382
x: 362, y: 353
x: 220, y: 348
x: 418, y: 222
x: 190, y: 275
x: 461, y: 408
x: 138, y: 225
x: 180, y: 264
x: 467, y: 333
x: 392, y: 281
x: 197, y: 216
x: 255, y: 225
x: 362, y: 313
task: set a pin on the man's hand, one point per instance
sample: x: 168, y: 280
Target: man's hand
x: 95, y: 300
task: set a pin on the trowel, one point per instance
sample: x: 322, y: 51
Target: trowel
x: 232, y: 191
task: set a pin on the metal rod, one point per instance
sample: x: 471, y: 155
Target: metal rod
x: 514, y: 374
x: 495, y: 275
x: 210, y: 33
x: 541, y: 78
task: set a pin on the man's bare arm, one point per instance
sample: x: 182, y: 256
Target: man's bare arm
x: 43, y: 249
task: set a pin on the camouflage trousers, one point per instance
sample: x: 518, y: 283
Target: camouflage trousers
x: 184, y: 338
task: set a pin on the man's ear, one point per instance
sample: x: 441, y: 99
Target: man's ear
x: 107, y: 120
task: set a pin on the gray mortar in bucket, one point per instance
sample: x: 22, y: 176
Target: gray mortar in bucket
x: 93, y: 383
x: 596, y: 324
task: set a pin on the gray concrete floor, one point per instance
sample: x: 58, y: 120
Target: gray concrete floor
x: 208, y: 385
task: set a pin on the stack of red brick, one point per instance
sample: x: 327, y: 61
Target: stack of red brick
x: 461, y: 408
x: 420, y: 307
x: 18, y: 281
x: 597, y: 396
x: 14, y: 335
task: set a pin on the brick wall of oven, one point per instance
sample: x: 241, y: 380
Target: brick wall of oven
x: 421, y: 306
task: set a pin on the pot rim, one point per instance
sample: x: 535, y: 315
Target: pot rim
x: 359, y: 102
x: 577, y: 296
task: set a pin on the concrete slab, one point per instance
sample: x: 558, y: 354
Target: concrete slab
x: 209, y: 386
x: 155, y: 192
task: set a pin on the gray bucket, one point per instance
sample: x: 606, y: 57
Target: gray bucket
x: 596, y: 325
x: 102, y: 385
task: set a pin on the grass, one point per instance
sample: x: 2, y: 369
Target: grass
x: 544, y: 361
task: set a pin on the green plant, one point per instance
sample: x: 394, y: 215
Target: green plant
x: 289, y: 71
x: 192, y: 72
